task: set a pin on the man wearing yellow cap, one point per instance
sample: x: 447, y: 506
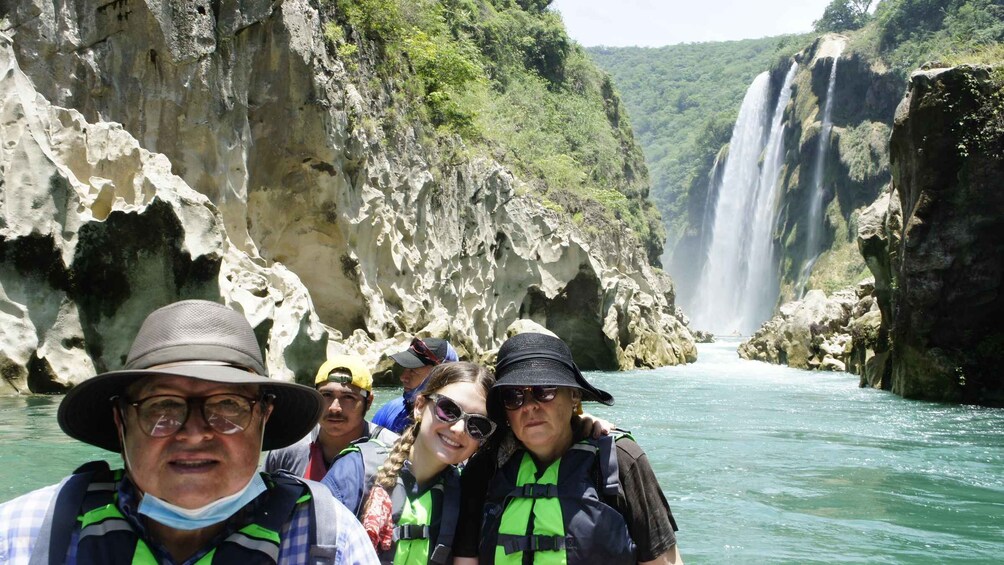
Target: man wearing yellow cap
x: 347, y: 387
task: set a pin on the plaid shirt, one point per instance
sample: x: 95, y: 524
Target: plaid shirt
x: 21, y: 519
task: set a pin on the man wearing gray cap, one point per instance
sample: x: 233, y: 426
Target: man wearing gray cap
x: 190, y: 413
x: 415, y: 364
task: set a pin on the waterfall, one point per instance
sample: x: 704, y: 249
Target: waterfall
x: 814, y: 219
x: 717, y: 299
x: 761, y: 289
x: 738, y: 285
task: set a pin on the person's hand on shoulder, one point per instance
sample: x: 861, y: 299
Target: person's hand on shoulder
x: 589, y: 425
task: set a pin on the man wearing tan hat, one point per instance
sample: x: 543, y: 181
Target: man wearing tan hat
x: 347, y: 387
x: 190, y: 414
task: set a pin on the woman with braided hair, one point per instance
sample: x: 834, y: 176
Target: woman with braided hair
x: 411, y: 510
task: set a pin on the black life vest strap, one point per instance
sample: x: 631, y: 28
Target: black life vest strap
x: 410, y: 532
x: 440, y: 553
x: 61, y: 518
x: 512, y: 543
x: 440, y: 549
x: 534, y: 490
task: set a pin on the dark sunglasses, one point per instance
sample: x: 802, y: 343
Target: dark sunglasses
x: 514, y: 397
x: 163, y: 415
x: 424, y: 354
x: 447, y: 411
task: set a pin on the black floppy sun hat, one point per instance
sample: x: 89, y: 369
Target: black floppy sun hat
x: 534, y: 359
x: 172, y: 341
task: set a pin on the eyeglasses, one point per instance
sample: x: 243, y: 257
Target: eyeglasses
x: 514, y: 397
x: 163, y: 415
x: 447, y: 411
x: 424, y: 354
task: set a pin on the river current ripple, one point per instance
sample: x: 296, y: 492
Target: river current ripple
x: 761, y: 464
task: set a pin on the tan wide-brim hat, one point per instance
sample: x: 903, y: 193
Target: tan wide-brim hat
x: 173, y: 341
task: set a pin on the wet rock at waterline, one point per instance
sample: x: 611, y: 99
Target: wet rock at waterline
x: 947, y: 273
x: 818, y: 332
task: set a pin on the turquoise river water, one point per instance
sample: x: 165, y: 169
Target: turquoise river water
x: 761, y: 464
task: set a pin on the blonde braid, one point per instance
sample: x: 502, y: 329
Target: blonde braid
x: 387, y: 473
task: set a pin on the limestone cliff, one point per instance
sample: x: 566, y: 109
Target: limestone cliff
x: 95, y: 231
x: 855, y: 163
x: 306, y: 177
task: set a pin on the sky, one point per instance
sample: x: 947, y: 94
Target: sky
x: 655, y: 23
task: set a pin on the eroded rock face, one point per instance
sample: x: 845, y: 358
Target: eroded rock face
x: 251, y: 107
x: 947, y: 155
x: 855, y: 165
x: 96, y: 232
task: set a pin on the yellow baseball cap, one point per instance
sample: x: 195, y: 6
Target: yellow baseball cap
x: 345, y: 369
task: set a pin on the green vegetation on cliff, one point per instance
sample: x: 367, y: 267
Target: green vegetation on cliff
x: 908, y: 33
x: 504, y: 76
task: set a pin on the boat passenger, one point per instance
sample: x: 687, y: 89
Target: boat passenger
x: 190, y: 414
x: 411, y: 510
x: 415, y: 363
x: 555, y: 495
x: 346, y: 384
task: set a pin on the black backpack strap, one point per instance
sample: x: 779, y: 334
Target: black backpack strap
x: 61, y: 518
x: 609, y: 483
x: 441, y: 552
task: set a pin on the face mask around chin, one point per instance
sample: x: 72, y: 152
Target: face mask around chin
x: 195, y: 518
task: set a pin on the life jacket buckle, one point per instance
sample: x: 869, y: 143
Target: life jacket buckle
x: 535, y: 490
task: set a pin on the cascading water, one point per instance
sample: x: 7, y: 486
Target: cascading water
x: 738, y: 283
x: 717, y: 300
x: 761, y: 288
x: 814, y: 219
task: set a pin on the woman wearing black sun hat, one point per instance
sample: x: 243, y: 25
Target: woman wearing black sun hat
x: 581, y: 500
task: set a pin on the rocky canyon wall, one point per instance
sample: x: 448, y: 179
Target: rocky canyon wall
x: 854, y: 163
x: 95, y: 231
x: 947, y: 265
x: 222, y: 150
x: 930, y: 327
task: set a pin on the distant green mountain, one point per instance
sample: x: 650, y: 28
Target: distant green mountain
x: 682, y: 101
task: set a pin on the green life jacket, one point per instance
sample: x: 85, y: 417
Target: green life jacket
x: 89, y: 499
x: 557, y: 516
x: 417, y: 516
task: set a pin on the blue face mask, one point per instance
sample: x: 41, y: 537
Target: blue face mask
x: 193, y: 519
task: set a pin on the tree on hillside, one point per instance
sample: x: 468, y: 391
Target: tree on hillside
x: 843, y: 15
